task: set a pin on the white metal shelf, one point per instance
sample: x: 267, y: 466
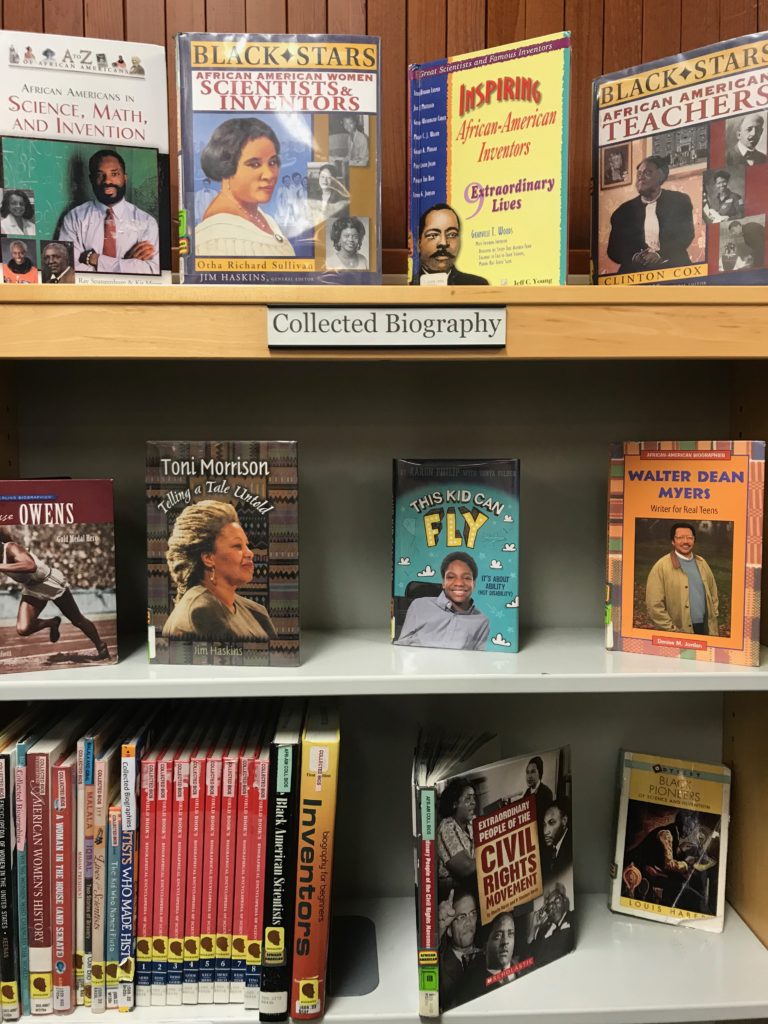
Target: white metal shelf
x: 364, y: 662
x: 623, y: 971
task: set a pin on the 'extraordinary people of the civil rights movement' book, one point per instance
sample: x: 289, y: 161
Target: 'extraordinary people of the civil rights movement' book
x: 488, y: 164
x: 223, y: 556
x: 84, y: 185
x: 680, y: 168
x: 455, y: 554
x: 685, y: 534
x: 671, y: 841
x: 280, y: 156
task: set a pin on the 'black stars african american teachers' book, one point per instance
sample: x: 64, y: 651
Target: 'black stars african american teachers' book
x: 223, y: 552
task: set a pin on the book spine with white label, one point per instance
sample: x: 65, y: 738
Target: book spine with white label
x: 179, y: 840
x: 129, y: 810
x: 146, y: 881
x: 63, y: 867
x: 112, y: 943
x: 426, y: 900
x: 21, y: 874
x: 212, y: 828
x: 194, y: 898
x: 245, y: 774
x: 39, y: 932
x: 163, y: 881
x: 259, y: 805
x: 105, y: 792
x: 10, y: 1007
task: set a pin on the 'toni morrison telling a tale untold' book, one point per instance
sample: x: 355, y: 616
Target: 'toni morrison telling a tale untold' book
x: 488, y: 163
x: 680, y: 168
x: 279, y: 149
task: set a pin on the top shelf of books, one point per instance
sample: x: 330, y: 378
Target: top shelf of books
x: 230, y: 322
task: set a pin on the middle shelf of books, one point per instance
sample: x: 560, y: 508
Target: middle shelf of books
x: 91, y: 418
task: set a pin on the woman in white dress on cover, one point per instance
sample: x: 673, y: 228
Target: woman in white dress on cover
x: 244, y: 155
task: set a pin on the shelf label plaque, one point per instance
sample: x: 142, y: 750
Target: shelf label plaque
x: 387, y: 326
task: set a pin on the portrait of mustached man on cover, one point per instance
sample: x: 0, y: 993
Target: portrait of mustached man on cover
x: 439, y: 243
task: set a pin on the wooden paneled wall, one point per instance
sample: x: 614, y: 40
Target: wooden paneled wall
x: 607, y: 35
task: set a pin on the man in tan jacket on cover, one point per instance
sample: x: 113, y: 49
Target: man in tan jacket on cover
x: 681, y: 593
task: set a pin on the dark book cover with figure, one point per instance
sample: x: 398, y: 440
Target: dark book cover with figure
x: 455, y: 568
x: 680, y: 168
x: 494, y: 867
x: 280, y: 141
x: 671, y: 841
x: 223, y: 552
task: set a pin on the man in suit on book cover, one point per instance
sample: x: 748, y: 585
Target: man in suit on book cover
x: 439, y: 244
x: 557, y: 852
x: 681, y: 592
x: 745, y: 153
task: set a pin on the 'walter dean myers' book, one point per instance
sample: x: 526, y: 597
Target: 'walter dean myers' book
x: 456, y: 534
x: 488, y: 164
x: 671, y: 841
x: 280, y: 154
x: 494, y: 867
x: 685, y: 535
x: 680, y: 168
x: 84, y: 164
x: 57, y: 574
x: 222, y: 522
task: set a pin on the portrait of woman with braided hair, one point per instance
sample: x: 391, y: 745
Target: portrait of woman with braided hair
x: 208, y: 560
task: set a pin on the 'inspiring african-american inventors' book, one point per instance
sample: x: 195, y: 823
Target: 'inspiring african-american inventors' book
x: 57, y: 574
x: 685, y: 541
x: 680, y: 168
x: 488, y: 165
x: 456, y: 532
x: 280, y: 141
x: 671, y: 840
x: 84, y: 186
x: 223, y: 552
x: 494, y: 866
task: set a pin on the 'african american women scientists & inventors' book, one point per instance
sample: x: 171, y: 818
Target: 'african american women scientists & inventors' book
x: 456, y: 534
x: 84, y: 172
x: 685, y: 537
x: 280, y: 144
x: 680, y: 168
x: 223, y: 552
x: 488, y: 165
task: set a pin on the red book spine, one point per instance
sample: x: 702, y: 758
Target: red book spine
x: 258, y: 844
x: 161, y: 902
x: 146, y: 883
x: 39, y: 884
x: 179, y: 841
x: 193, y: 908
x: 227, y: 863
x: 246, y: 770
x: 210, y: 878
x: 64, y: 848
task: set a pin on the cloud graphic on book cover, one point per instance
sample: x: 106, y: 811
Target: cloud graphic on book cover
x: 514, y: 603
x: 509, y: 547
x: 508, y: 519
x: 404, y: 561
x: 496, y: 564
x: 426, y: 571
x: 499, y: 641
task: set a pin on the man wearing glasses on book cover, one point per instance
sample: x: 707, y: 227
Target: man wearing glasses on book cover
x: 681, y: 592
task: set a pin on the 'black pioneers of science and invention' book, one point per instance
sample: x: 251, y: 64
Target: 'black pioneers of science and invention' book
x: 680, y: 168
x: 280, y: 144
x: 222, y: 536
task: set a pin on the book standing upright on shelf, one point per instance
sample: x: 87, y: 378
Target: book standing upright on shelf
x: 279, y: 140
x: 680, y: 168
x: 488, y: 166
x: 223, y: 552
x: 671, y: 841
x: 456, y: 536
x: 494, y: 867
x: 64, y: 781
x: 84, y: 170
x: 684, y: 563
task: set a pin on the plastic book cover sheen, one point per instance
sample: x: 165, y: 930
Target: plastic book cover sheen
x: 455, y: 554
x: 279, y: 140
x: 223, y: 552
x: 501, y: 867
x: 488, y: 162
x: 671, y: 841
x: 680, y: 168
x: 684, y: 563
x: 57, y: 545
x: 84, y: 161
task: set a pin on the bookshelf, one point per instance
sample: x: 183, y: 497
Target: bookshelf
x: 87, y: 375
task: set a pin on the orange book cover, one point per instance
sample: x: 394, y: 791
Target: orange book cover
x: 685, y: 532
x: 317, y: 817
